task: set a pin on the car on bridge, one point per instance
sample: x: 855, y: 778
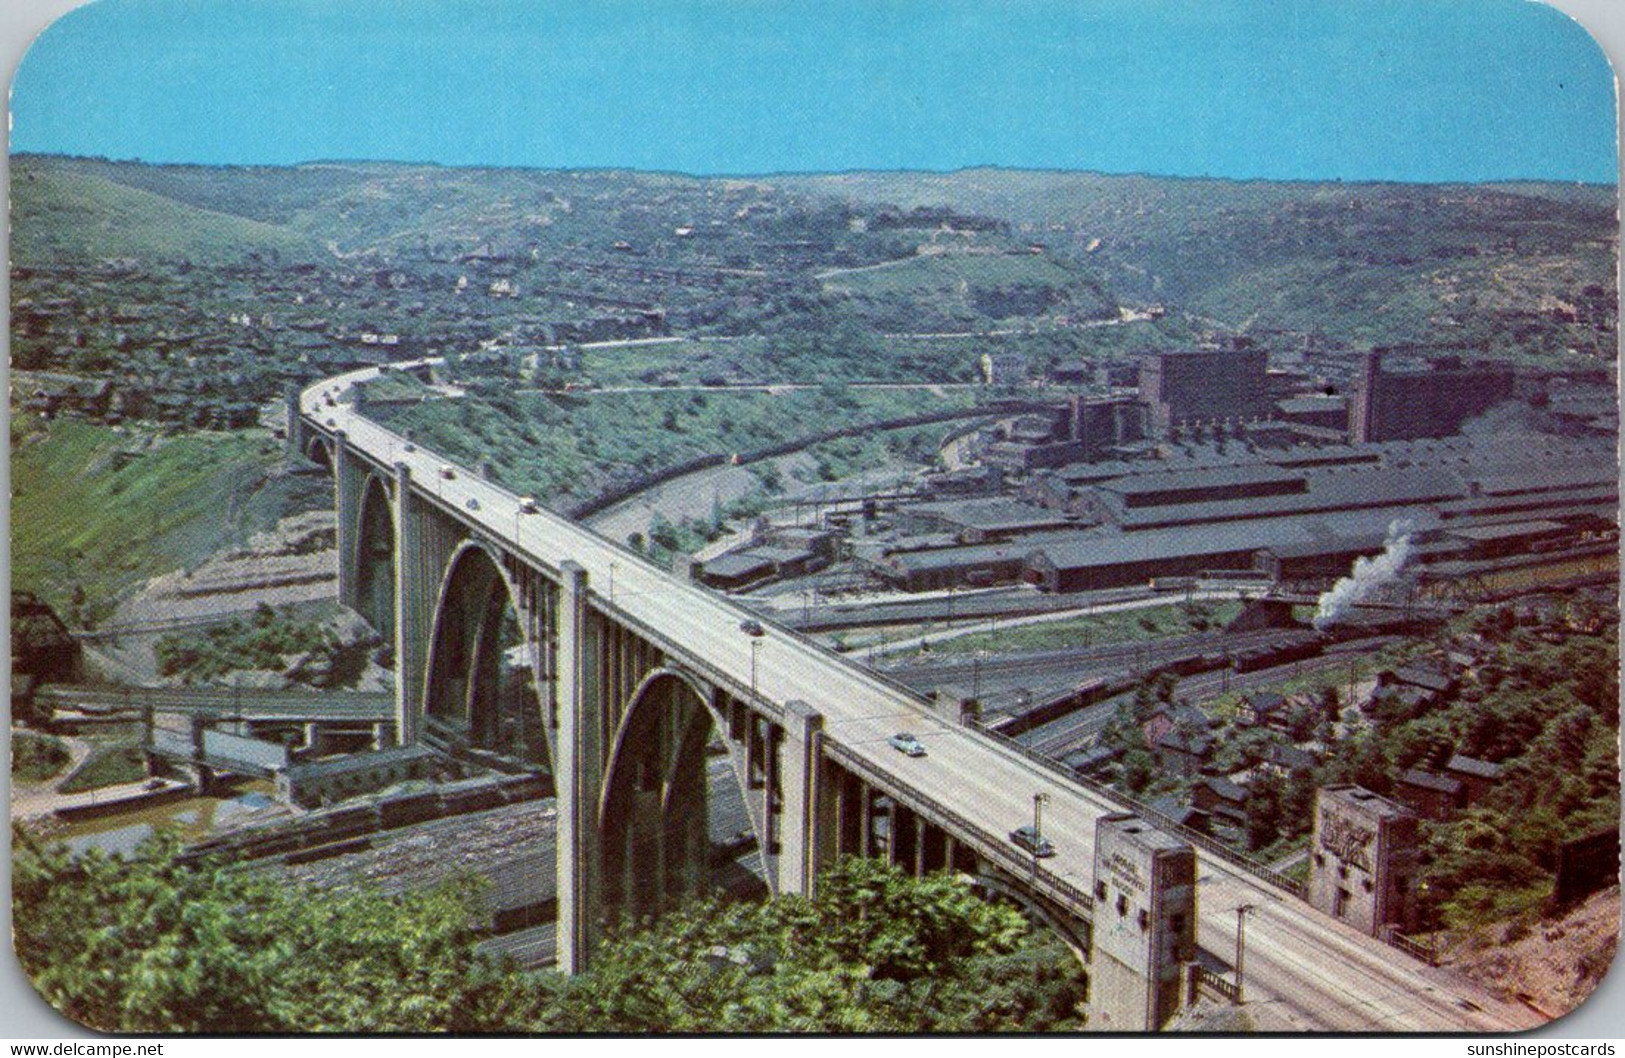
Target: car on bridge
x: 1030, y: 839
x: 906, y: 744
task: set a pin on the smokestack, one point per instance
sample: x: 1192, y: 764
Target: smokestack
x: 1370, y: 574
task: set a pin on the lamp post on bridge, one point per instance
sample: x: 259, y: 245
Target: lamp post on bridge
x: 1241, y: 943
x: 1039, y: 800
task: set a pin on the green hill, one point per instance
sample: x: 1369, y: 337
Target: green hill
x: 61, y: 216
x: 1520, y: 268
x: 1366, y: 262
x: 103, y: 508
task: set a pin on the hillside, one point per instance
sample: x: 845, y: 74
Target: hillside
x: 1554, y: 964
x: 1519, y: 268
x: 73, y: 217
x: 95, y: 510
x: 1364, y: 262
x: 991, y: 281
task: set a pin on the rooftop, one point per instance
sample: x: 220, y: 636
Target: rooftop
x: 1427, y: 780
x: 1479, y: 769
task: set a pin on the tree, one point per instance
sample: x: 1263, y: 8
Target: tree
x: 1137, y: 770
x: 156, y: 945
x: 1265, y: 797
x: 874, y: 951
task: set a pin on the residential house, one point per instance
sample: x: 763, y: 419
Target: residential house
x: 1222, y: 799
x: 1479, y: 777
x: 1428, y: 793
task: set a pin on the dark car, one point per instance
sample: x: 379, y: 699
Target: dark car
x: 1034, y: 842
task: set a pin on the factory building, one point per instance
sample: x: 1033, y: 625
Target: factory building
x: 1430, y: 401
x: 1205, y: 385
x: 1099, y: 425
x: 1301, y: 515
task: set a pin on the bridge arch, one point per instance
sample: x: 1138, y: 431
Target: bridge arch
x: 318, y: 451
x: 1074, y: 934
x: 482, y: 690
x: 654, y: 813
x: 375, y: 558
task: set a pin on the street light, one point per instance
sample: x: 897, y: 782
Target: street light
x: 1038, y: 829
x: 1241, y: 943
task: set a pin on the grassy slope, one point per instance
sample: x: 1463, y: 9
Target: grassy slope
x: 77, y: 518
x: 563, y: 447
x: 63, y: 217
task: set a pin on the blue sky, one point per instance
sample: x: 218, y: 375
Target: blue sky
x: 1294, y: 89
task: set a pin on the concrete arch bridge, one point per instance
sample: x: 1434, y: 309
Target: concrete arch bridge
x: 521, y: 634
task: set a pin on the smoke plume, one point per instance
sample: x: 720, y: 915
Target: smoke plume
x: 1369, y: 574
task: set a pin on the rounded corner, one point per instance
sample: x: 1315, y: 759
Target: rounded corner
x: 71, y: 13
x: 13, y: 982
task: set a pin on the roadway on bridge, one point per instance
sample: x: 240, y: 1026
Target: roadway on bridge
x: 1302, y: 967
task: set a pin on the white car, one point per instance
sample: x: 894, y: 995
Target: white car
x: 906, y: 744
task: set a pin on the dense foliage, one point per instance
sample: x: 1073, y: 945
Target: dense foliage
x: 1542, y: 702
x: 269, y: 641
x: 1549, y: 713
x: 563, y: 447
x: 148, y: 945
x: 875, y: 951
x: 35, y: 758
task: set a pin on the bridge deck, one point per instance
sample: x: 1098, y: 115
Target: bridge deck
x: 1309, y: 971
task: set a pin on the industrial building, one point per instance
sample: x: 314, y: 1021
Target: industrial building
x: 1431, y: 400
x: 1298, y: 514
x: 1205, y: 384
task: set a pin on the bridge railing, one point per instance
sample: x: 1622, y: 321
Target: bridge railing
x: 227, y: 702
x: 1203, y: 978
x: 1413, y: 947
x: 993, y: 847
x: 1205, y: 842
